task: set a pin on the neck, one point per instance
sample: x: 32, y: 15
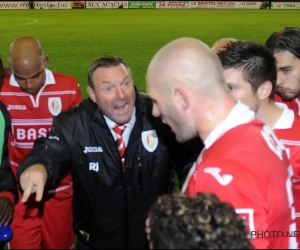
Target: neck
x: 212, y: 113
x: 268, y: 112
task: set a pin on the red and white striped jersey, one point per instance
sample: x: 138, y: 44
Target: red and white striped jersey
x: 31, y: 115
x: 287, y: 129
x: 293, y: 104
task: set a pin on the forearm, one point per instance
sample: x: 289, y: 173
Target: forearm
x: 46, y: 152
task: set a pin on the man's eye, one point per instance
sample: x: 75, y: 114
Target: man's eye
x: 19, y: 78
x: 231, y: 87
x: 37, y: 76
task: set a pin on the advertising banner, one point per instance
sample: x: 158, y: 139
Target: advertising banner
x: 284, y: 5
x: 172, y: 4
x: 106, y: 4
x: 37, y: 5
x: 141, y: 5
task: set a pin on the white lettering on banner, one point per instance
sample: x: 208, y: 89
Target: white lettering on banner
x: 37, y: 5
x: 106, y: 4
x: 172, y: 4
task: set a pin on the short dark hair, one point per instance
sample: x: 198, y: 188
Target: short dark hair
x: 285, y: 39
x: 1, y: 71
x: 105, y: 62
x: 257, y: 63
x: 203, y: 222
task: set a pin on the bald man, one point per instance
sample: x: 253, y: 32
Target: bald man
x: 33, y: 95
x: 221, y: 44
x: 186, y: 83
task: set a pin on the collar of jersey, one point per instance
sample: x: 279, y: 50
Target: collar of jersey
x: 240, y: 114
x: 49, y: 79
x: 286, y: 119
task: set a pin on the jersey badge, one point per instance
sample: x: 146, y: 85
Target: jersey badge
x: 54, y: 105
x: 150, y: 140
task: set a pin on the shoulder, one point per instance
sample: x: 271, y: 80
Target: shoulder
x: 72, y: 116
x: 4, y: 112
x: 66, y: 79
x: 296, y: 123
x: 244, y: 134
x: 6, y: 87
x: 145, y: 100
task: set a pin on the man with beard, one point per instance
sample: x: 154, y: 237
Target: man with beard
x: 285, y: 46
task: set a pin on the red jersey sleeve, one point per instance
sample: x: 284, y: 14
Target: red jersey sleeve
x: 235, y: 184
x: 77, y: 98
x: 8, y: 195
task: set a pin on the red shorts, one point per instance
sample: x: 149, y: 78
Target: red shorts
x: 48, y: 225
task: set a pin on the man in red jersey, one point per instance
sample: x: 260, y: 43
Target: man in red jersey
x: 186, y: 83
x: 285, y: 46
x: 250, y: 72
x: 33, y: 95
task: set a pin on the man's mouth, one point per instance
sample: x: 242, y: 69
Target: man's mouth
x: 121, y: 107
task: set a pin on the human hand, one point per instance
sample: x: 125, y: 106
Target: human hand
x: 33, y: 180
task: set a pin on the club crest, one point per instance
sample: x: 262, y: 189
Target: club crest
x: 150, y: 140
x: 54, y: 105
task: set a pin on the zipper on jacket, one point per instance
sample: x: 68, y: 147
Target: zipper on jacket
x: 140, y: 175
x: 126, y: 207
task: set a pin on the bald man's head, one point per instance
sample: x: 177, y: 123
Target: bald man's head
x: 185, y: 62
x: 28, y: 63
x: 221, y: 44
x: 181, y: 74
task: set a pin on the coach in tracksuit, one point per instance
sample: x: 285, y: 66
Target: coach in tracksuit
x: 119, y: 162
x: 8, y: 184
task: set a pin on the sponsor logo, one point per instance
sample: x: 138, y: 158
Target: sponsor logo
x: 16, y: 107
x: 224, y: 180
x: 29, y: 134
x: 92, y: 150
x: 51, y: 137
x: 25, y: 133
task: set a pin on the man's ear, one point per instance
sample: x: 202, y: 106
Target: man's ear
x: 91, y: 93
x: 46, y: 61
x: 264, y: 91
x: 181, y: 98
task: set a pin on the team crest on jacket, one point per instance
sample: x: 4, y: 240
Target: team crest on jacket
x: 150, y: 140
x: 54, y: 105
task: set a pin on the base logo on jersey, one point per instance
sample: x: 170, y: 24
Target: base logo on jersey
x: 150, y: 140
x: 25, y: 133
x: 54, y: 105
